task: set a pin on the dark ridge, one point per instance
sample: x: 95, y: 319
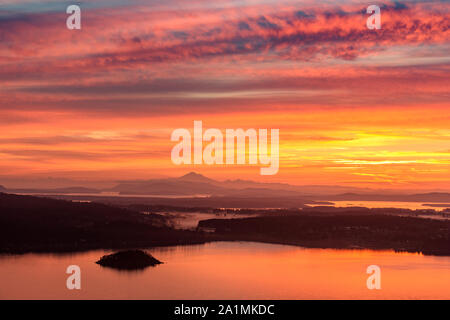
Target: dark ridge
x: 203, y: 202
x: 68, y: 190
x: 33, y: 224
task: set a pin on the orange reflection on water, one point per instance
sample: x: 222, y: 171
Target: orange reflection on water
x: 233, y: 270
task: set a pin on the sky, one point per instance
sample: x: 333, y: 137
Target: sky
x: 355, y: 107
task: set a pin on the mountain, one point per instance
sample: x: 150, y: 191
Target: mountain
x: 187, y: 185
x: 196, y: 177
x: 197, y: 184
x: 193, y: 184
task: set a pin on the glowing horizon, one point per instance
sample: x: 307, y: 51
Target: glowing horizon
x: 355, y: 107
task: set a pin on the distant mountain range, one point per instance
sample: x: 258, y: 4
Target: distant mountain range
x: 189, y: 184
x: 197, y: 185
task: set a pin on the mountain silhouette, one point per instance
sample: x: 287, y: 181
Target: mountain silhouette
x: 189, y: 184
x: 197, y: 184
x: 196, y: 177
x: 194, y: 184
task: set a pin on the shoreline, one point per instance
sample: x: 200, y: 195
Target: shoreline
x: 42, y: 225
x: 331, y: 244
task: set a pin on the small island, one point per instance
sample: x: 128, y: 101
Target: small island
x: 128, y: 260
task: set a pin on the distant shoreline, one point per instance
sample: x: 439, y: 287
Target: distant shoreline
x: 42, y: 225
x: 345, y: 231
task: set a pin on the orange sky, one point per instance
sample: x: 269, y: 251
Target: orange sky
x: 357, y: 107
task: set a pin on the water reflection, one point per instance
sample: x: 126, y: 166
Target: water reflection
x: 231, y: 270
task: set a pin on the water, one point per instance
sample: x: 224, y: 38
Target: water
x: 190, y: 220
x: 393, y: 204
x: 387, y: 204
x: 232, y: 270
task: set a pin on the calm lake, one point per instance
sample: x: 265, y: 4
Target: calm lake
x: 231, y: 270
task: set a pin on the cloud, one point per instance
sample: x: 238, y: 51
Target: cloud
x: 79, y: 155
